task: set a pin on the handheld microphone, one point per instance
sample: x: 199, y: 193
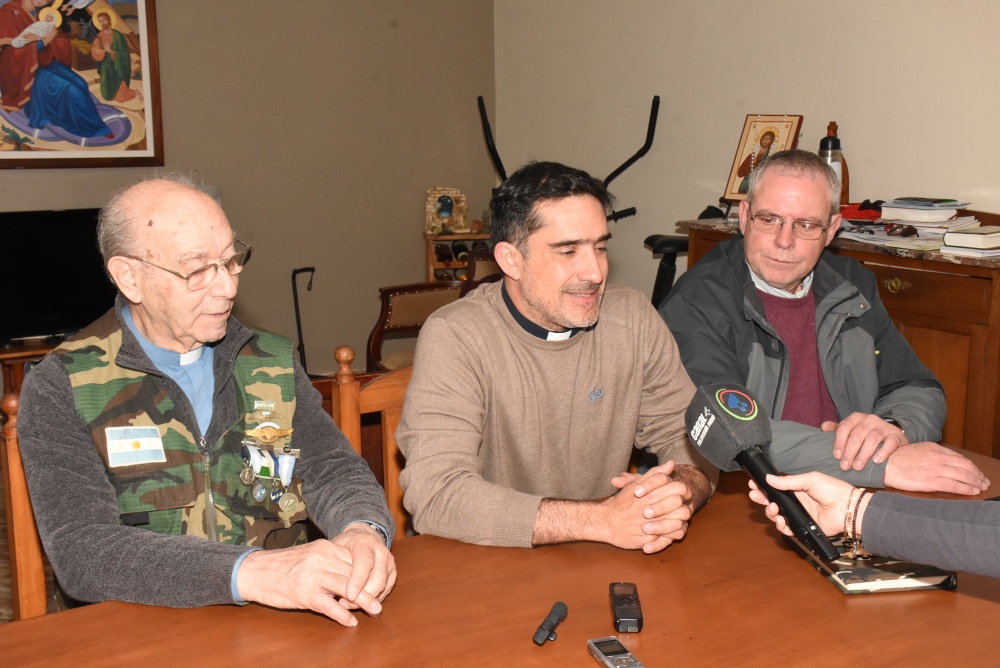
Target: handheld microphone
x: 547, y: 630
x: 725, y: 423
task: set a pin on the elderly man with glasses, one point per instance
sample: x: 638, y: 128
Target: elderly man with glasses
x: 173, y: 455
x: 806, y: 332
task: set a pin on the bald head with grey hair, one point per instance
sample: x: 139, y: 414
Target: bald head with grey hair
x: 797, y: 162
x: 116, y: 224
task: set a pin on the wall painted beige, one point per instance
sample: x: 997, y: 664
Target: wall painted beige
x: 323, y: 124
x: 912, y: 85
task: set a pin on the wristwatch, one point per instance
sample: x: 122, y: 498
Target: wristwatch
x: 895, y: 423
x: 380, y: 531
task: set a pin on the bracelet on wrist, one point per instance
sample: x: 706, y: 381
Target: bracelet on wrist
x: 849, y: 514
x: 852, y: 539
x: 854, y: 519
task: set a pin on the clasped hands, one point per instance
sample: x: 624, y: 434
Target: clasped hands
x: 354, y: 570
x: 650, y: 511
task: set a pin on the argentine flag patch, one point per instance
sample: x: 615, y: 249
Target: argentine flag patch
x: 128, y: 446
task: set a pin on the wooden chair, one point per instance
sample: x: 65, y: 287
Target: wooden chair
x: 480, y: 268
x: 405, y: 308
x: 383, y: 395
x: 27, y: 570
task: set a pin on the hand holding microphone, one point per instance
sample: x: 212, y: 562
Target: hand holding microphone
x: 729, y: 430
x: 825, y: 499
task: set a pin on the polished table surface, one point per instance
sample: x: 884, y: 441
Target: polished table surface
x: 732, y: 593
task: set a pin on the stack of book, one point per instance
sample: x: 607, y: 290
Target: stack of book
x: 922, y: 243
x: 975, y: 242
x: 921, y: 209
x: 931, y: 217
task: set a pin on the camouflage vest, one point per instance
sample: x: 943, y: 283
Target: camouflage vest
x: 191, y: 492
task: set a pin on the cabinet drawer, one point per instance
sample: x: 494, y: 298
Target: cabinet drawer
x: 940, y: 294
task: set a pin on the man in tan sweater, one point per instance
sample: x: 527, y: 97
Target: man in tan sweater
x: 528, y: 395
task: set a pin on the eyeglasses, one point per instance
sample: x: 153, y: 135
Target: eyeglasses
x: 201, y: 278
x: 857, y: 229
x: 803, y: 229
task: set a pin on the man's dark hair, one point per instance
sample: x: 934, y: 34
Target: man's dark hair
x: 513, y: 212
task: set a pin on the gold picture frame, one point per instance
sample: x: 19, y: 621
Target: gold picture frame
x: 763, y: 135
x: 90, y: 95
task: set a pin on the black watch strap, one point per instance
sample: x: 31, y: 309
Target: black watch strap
x: 895, y: 423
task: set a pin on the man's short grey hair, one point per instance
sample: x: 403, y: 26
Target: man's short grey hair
x: 115, y: 228
x: 797, y: 163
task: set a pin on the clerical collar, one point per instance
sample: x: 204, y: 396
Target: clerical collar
x: 533, y: 328
x: 777, y: 292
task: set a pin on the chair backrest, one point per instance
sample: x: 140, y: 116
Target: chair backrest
x: 384, y: 395
x: 480, y: 264
x: 668, y: 247
x: 405, y: 308
x: 27, y: 568
x: 480, y: 268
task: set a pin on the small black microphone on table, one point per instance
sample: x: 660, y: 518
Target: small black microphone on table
x: 726, y: 425
x: 547, y: 630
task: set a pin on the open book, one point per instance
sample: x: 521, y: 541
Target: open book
x: 875, y: 574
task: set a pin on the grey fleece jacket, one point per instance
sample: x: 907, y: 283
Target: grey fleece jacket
x: 96, y: 558
x: 717, y: 319
x: 957, y: 535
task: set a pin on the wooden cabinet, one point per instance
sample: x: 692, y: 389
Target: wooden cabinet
x: 436, y: 267
x: 949, y: 311
x: 13, y: 358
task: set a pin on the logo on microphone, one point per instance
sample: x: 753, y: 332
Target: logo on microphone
x: 701, y: 426
x: 738, y: 404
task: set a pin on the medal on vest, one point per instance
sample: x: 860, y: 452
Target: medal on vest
x: 285, y: 499
x: 247, y: 475
x: 263, y: 410
x: 262, y: 462
x: 268, y: 433
x: 288, y: 502
x: 278, y: 464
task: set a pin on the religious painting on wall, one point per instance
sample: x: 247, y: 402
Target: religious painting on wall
x: 763, y: 135
x: 79, y: 84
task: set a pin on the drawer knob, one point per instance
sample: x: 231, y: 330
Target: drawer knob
x: 896, y: 285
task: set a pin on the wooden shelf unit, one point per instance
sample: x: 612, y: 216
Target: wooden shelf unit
x: 433, y: 266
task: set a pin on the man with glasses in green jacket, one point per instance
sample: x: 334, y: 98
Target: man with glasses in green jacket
x: 806, y: 332
x: 174, y: 456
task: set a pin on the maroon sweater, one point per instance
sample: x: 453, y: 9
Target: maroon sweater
x: 808, y: 399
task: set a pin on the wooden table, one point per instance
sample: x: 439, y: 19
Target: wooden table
x: 733, y: 593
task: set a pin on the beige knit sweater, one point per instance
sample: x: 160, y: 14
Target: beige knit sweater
x: 496, y: 419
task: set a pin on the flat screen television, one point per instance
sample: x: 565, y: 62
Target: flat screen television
x: 52, y: 277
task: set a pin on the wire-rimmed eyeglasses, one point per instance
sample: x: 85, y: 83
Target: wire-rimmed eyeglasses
x: 201, y: 278
x: 803, y: 229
